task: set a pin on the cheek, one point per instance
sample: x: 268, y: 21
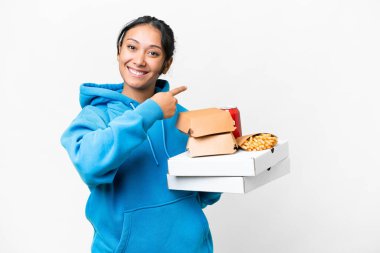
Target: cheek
x: 157, y: 66
x: 123, y: 58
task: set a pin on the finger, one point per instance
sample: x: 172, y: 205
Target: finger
x: 178, y: 90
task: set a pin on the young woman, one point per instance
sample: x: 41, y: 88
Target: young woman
x: 120, y: 143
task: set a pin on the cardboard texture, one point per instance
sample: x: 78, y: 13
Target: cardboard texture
x: 241, y: 163
x: 210, y: 132
x: 229, y: 184
x: 204, y: 122
x: 217, y: 144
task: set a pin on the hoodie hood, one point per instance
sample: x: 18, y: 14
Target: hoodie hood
x: 96, y: 94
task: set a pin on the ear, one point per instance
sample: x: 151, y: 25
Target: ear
x: 167, y: 65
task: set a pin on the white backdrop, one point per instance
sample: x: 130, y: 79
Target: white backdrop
x: 305, y: 70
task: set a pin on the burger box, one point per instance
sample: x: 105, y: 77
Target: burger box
x: 210, y: 132
x: 202, y: 122
x: 216, y: 144
x: 229, y: 184
x: 241, y: 163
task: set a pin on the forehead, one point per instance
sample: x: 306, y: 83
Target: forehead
x: 144, y: 34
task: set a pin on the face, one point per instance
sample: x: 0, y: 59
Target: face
x: 141, y: 57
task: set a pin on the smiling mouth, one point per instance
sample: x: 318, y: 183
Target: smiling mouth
x: 136, y: 73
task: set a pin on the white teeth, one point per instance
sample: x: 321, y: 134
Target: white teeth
x: 135, y: 72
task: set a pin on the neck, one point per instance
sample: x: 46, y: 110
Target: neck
x: 138, y: 95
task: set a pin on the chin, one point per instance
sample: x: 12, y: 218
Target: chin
x: 140, y: 84
x: 137, y: 85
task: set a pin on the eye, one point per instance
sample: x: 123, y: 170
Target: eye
x: 131, y: 47
x: 153, y: 53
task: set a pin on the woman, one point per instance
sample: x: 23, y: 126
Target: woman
x: 120, y: 143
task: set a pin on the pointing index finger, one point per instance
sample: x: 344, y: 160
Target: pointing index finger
x: 178, y: 90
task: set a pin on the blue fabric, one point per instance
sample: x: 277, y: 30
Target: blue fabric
x: 130, y: 205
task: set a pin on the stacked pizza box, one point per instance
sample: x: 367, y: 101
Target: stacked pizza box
x: 213, y: 162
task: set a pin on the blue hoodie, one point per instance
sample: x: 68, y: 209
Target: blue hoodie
x: 120, y: 149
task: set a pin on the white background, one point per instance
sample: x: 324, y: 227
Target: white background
x: 307, y: 71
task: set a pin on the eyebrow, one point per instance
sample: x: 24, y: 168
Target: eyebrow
x: 149, y: 45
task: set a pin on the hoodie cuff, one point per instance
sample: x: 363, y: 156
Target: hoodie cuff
x: 150, y: 111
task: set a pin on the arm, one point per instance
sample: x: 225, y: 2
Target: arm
x: 97, y: 149
x: 208, y: 198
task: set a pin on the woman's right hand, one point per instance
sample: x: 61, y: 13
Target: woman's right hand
x: 167, y: 101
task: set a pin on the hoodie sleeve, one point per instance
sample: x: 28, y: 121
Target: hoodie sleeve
x: 208, y: 198
x: 97, y: 149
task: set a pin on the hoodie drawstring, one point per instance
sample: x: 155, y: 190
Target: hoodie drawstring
x: 150, y: 142
x: 151, y: 148
x: 163, y: 137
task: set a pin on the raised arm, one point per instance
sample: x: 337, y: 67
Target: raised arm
x: 97, y: 149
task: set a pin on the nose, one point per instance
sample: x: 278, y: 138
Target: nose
x: 139, y: 59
